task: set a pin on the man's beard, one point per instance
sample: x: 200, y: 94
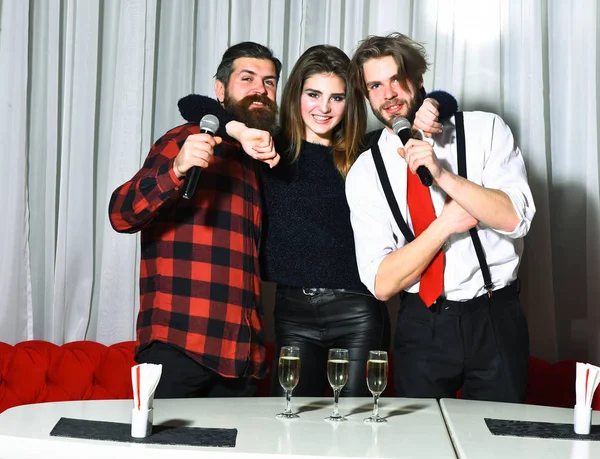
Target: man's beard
x: 412, y: 106
x: 258, y: 118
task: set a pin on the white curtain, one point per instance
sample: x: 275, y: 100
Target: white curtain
x: 87, y: 86
x: 15, y: 266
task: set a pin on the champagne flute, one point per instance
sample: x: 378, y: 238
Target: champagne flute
x: 289, y: 374
x: 337, y: 374
x: 377, y: 369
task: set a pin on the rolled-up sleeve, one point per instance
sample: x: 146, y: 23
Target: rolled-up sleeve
x: 369, y: 213
x: 505, y: 170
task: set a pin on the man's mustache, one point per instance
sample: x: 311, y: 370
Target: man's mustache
x: 393, y: 102
x: 247, y: 101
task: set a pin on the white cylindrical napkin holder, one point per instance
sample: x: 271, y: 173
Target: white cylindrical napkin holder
x: 582, y: 419
x: 141, y: 422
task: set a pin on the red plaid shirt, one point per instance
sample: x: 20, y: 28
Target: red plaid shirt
x: 199, y: 277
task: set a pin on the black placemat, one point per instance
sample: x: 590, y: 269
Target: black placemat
x: 533, y: 429
x: 161, y: 435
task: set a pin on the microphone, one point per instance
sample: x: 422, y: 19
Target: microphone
x: 401, y: 128
x: 209, y: 124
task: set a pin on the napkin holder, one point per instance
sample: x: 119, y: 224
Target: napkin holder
x: 582, y: 421
x: 141, y: 422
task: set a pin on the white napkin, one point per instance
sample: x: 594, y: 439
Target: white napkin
x: 144, y: 378
x: 586, y: 382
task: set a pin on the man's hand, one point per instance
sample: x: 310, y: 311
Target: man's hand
x: 256, y: 143
x: 259, y: 145
x: 455, y: 218
x: 426, y: 118
x: 197, y: 150
x: 419, y: 153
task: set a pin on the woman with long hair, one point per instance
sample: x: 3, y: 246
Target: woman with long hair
x: 308, y: 245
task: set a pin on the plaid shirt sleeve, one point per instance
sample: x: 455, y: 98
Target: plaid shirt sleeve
x: 135, y: 203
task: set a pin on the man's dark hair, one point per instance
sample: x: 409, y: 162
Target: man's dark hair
x: 244, y: 49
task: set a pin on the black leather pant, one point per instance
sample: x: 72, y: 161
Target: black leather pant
x: 317, y: 320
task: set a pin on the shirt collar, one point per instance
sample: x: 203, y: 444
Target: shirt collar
x: 389, y: 141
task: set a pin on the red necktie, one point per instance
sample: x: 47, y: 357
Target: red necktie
x: 422, y: 214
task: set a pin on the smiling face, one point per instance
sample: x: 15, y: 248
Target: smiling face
x: 322, y: 105
x: 250, y: 76
x: 250, y: 93
x: 387, y: 97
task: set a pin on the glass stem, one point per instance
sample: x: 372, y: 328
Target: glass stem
x: 336, y: 397
x: 375, y: 405
x: 288, y: 401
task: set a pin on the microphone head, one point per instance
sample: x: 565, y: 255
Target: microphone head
x: 400, y: 124
x: 209, y: 123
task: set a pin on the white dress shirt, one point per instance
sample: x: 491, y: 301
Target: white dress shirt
x: 493, y: 161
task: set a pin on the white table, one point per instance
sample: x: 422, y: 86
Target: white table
x: 415, y: 429
x: 473, y: 440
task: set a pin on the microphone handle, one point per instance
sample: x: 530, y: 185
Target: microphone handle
x: 191, y: 181
x: 424, y: 175
x: 191, y: 178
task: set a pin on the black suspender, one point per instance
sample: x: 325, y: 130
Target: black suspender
x: 462, y: 171
x: 387, y: 189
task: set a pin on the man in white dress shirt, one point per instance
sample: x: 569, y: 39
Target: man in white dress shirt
x: 471, y: 333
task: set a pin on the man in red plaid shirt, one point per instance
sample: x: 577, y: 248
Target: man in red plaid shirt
x: 200, y: 314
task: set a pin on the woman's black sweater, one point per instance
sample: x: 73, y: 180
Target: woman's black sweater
x: 307, y: 235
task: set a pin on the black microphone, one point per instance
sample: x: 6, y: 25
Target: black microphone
x: 401, y: 128
x: 209, y: 124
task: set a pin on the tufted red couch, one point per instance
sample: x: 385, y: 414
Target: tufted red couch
x: 39, y: 371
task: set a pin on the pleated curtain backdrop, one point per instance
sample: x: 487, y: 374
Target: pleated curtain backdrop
x: 86, y: 87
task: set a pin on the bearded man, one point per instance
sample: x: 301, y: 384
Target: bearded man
x: 200, y: 314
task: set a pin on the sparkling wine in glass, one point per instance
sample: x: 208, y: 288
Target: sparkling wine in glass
x: 377, y: 369
x: 289, y: 374
x: 337, y: 374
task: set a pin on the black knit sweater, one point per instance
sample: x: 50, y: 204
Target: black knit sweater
x: 307, y: 236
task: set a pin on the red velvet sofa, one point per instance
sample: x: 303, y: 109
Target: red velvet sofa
x: 39, y: 371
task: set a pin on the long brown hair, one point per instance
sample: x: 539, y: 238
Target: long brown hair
x: 348, y: 134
